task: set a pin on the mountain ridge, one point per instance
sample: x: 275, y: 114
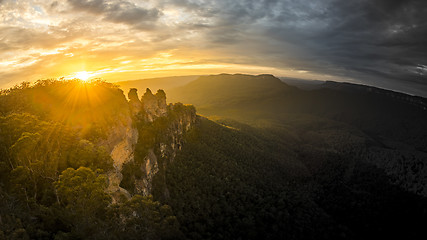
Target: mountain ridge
x: 266, y: 161
x: 391, y: 120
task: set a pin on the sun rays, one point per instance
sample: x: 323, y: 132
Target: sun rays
x: 83, y: 75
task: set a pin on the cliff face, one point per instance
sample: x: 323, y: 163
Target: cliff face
x: 162, y: 149
x: 144, y: 142
x: 122, y: 152
x: 135, y: 105
x: 154, y: 106
x: 121, y: 141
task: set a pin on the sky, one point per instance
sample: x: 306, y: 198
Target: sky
x: 374, y: 42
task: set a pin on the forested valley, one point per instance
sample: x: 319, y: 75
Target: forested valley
x: 259, y: 161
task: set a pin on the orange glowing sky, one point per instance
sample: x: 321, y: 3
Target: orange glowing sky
x: 133, y: 39
x: 121, y: 40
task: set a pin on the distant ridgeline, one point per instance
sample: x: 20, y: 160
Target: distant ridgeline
x: 78, y: 154
x: 340, y: 161
x: 355, y: 88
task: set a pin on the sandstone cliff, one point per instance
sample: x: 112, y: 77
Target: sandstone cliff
x: 154, y: 106
x: 143, y: 143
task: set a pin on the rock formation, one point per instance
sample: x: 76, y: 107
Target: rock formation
x: 154, y: 106
x: 123, y: 138
x: 135, y: 104
x: 146, y: 141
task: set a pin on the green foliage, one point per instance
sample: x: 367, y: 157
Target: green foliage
x: 130, y: 172
x: 352, y: 142
x: 163, y: 130
x: 232, y: 181
x: 226, y: 184
x: 52, y: 184
x: 24, y: 148
x: 306, y: 174
x: 265, y: 100
x: 88, y: 155
x: 38, y: 150
x: 144, y: 218
x: 82, y: 191
x: 92, y: 107
x: 12, y: 228
x: 23, y: 182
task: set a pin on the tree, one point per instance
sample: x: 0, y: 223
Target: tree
x: 24, y: 148
x: 88, y: 155
x: 144, y: 218
x: 82, y: 193
x: 82, y: 190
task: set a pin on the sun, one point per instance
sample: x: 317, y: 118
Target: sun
x: 83, y: 75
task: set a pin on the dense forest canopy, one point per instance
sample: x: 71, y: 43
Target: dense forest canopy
x: 74, y: 103
x: 53, y: 169
x: 356, y: 151
x: 217, y: 119
x: 271, y: 162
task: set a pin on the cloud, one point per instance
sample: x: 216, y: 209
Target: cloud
x: 376, y: 42
x: 119, y: 12
x: 17, y: 38
x: 379, y: 40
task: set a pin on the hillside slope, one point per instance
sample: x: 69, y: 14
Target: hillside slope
x: 234, y: 181
x: 393, y: 122
x: 77, y: 161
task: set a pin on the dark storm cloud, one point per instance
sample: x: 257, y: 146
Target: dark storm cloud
x: 385, y: 39
x: 119, y: 12
x: 378, y: 42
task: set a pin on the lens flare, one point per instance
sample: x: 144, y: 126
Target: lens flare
x: 83, y: 75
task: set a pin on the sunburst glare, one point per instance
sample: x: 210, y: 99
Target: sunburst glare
x: 83, y: 75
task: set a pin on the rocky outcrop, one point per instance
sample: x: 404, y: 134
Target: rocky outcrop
x: 135, y: 105
x: 144, y: 185
x: 146, y: 142
x: 121, y: 142
x: 154, y: 106
x: 180, y: 119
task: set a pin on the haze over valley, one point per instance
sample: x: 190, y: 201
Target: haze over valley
x: 194, y: 119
